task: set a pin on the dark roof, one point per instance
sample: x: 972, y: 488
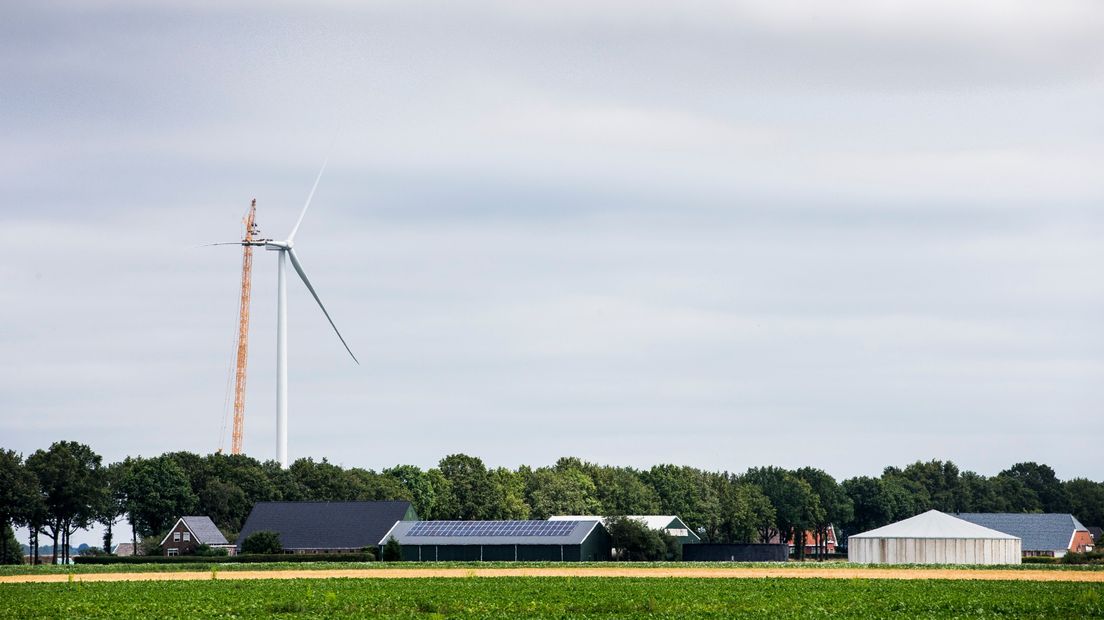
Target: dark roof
x: 1096, y: 532
x: 326, y: 525
x: 205, y: 530
x: 576, y: 532
x: 1039, y: 531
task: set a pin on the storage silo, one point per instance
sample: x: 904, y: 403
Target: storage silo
x: 933, y: 538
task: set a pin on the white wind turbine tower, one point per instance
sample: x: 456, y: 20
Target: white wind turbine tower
x: 286, y: 252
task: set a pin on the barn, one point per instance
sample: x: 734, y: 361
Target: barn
x: 1043, y: 534
x: 933, y: 538
x: 501, y: 541
x: 671, y: 525
x: 326, y: 527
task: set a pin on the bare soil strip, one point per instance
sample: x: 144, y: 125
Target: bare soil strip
x: 704, y: 573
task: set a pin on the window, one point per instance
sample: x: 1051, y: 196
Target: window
x: 174, y: 551
x: 187, y: 536
x: 176, y: 536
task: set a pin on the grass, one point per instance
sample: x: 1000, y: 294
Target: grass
x: 551, y: 597
x: 79, y: 569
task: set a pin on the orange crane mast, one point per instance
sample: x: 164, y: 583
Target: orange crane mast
x: 251, y: 230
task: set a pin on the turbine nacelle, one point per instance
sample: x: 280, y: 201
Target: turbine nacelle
x: 277, y: 246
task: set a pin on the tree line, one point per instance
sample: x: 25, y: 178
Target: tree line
x: 56, y: 491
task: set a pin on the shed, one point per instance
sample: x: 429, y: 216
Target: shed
x: 671, y: 525
x: 502, y: 541
x: 933, y: 538
x: 326, y: 527
x: 1045, y: 534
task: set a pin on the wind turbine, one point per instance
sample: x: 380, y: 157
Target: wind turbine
x: 285, y: 253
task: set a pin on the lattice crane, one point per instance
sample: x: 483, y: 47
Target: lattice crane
x: 251, y: 231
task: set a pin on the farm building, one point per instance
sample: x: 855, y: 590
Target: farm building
x: 669, y: 524
x: 827, y: 546
x: 191, y: 532
x: 326, y: 527
x: 1051, y: 534
x: 933, y: 538
x: 501, y: 541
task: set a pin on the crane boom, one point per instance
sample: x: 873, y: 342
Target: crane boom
x: 243, y: 329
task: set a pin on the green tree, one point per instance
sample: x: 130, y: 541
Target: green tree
x: 225, y: 503
x: 470, y: 493
x: 509, y: 489
x: 157, y: 494
x: 796, y: 507
x: 634, y: 541
x: 392, y: 550
x: 1086, y: 500
x: 566, y: 491
x: 18, y: 497
x: 262, y: 542
x: 836, y: 506
x: 418, y: 484
x: 685, y: 491
x: 113, y: 503
x: 873, y: 506
x: 744, y: 512
x: 1042, y: 480
x: 72, y: 485
x: 621, y: 491
x: 10, y: 550
x: 940, y: 480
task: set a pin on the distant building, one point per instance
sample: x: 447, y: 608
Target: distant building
x: 123, y: 549
x: 668, y: 524
x: 933, y: 538
x: 1043, y: 534
x: 191, y: 532
x: 502, y: 541
x: 1097, y: 533
x: 828, y: 546
x: 326, y: 527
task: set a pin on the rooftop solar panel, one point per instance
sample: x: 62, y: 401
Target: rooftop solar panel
x: 492, y: 528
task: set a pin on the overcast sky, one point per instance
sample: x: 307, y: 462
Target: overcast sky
x: 721, y: 234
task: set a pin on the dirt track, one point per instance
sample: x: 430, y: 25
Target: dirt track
x: 706, y: 573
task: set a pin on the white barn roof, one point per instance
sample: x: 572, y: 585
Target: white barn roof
x: 655, y: 522
x: 934, y: 524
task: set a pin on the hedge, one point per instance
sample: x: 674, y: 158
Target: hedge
x: 233, y: 559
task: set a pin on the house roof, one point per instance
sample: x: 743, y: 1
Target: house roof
x: 1040, y: 532
x: 934, y: 524
x: 1096, y: 532
x: 655, y: 522
x: 575, y: 535
x: 203, y: 530
x: 325, y: 525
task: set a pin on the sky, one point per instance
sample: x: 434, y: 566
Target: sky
x: 720, y: 234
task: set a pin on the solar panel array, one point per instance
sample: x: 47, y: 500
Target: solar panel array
x: 492, y: 528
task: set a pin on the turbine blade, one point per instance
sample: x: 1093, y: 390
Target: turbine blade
x: 207, y: 245
x: 310, y: 197
x: 303, y: 276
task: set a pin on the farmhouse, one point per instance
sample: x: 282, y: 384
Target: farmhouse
x: 191, y: 532
x: 1051, y: 534
x: 326, y: 527
x: 933, y: 538
x: 827, y: 546
x: 501, y: 541
x: 668, y: 524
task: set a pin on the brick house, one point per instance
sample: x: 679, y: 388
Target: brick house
x: 191, y: 532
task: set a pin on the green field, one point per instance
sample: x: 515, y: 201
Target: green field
x: 551, y: 597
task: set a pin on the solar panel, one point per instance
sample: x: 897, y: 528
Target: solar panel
x: 492, y: 528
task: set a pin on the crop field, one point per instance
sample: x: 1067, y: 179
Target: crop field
x: 555, y: 597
